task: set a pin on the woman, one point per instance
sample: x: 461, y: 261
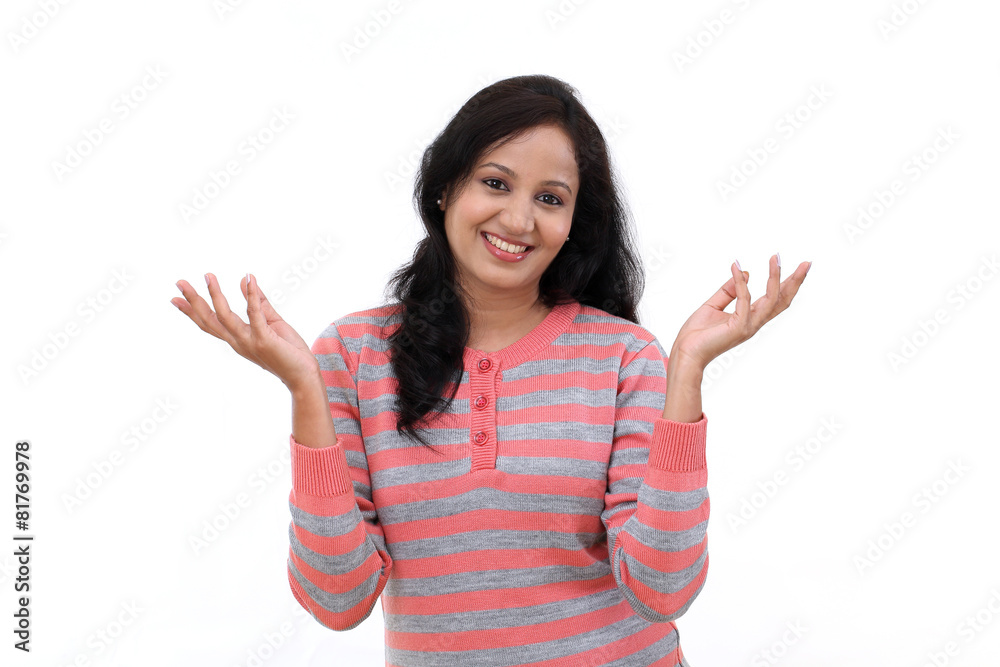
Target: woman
x: 503, y: 453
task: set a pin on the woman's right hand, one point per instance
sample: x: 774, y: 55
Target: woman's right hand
x: 267, y: 340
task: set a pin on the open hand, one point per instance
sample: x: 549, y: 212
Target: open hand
x: 267, y: 340
x: 710, y: 331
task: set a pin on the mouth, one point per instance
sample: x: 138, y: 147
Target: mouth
x: 513, y: 253
x: 505, y: 245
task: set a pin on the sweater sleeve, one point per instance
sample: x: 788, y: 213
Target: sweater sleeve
x: 337, y: 561
x: 656, y: 506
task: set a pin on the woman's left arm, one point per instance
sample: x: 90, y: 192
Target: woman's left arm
x: 657, y: 526
x: 656, y: 506
x: 683, y: 402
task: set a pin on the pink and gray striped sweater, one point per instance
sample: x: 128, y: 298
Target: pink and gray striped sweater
x: 561, y: 520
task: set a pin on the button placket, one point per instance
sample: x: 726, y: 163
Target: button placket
x: 482, y: 413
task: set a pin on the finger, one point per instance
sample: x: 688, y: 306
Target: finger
x: 183, y: 306
x: 742, y: 311
x: 767, y: 306
x: 236, y: 327
x: 268, y: 312
x: 258, y: 324
x: 254, y: 307
x: 791, y: 286
x: 201, y: 313
x: 725, y: 295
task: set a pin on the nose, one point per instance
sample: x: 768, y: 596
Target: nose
x: 518, y: 215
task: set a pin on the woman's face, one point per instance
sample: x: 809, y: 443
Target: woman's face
x: 522, y: 193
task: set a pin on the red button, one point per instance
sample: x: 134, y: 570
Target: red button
x: 480, y: 438
x: 481, y: 402
x: 485, y: 364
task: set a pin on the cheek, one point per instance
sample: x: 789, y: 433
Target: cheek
x: 564, y: 227
x: 476, y: 209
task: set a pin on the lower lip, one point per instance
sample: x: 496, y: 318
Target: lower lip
x: 503, y: 254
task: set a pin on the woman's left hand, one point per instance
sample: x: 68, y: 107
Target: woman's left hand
x: 710, y: 331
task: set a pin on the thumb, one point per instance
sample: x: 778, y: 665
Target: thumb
x: 263, y: 305
x: 257, y: 320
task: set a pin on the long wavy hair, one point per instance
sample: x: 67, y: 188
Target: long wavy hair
x: 598, y: 266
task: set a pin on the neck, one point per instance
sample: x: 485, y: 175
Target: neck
x: 494, y: 317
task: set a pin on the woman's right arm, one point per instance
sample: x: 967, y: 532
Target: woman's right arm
x: 312, y: 424
x: 338, y: 563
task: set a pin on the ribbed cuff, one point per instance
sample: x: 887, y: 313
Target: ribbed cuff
x: 320, y: 471
x: 679, y: 446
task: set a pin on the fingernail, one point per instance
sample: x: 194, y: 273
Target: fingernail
x: 738, y: 267
x: 207, y: 281
x: 779, y: 259
x: 179, y: 287
x: 248, y: 280
x: 809, y: 267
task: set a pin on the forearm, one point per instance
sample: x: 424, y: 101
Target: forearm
x: 338, y: 563
x: 657, y: 526
x: 683, y: 393
x: 661, y: 563
x: 312, y: 423
x: 662, y: 550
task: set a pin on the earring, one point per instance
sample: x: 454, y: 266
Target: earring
x: 567, y: 238
x: 439, y: 202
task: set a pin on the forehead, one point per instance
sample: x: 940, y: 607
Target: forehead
x: 543, y: 150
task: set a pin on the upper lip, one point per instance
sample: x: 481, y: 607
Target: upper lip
x: 502, y: 238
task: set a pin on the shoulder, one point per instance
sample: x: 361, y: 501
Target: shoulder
x: 361, y: 329
x: 607, y: 329
x: 379, y: 321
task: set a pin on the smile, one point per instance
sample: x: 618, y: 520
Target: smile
x: 512, y: 253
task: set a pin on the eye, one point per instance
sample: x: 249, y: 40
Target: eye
x: 553, y: 200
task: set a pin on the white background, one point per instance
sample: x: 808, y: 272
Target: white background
x: 340, y: 173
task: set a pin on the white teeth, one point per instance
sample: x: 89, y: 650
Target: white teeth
x: 503, y: 245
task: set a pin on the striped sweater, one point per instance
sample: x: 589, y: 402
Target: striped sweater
x: 559, y: 520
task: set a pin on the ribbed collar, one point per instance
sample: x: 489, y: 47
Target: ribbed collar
x: 555, y: 323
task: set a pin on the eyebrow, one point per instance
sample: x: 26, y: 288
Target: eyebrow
x: 510, y: 172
